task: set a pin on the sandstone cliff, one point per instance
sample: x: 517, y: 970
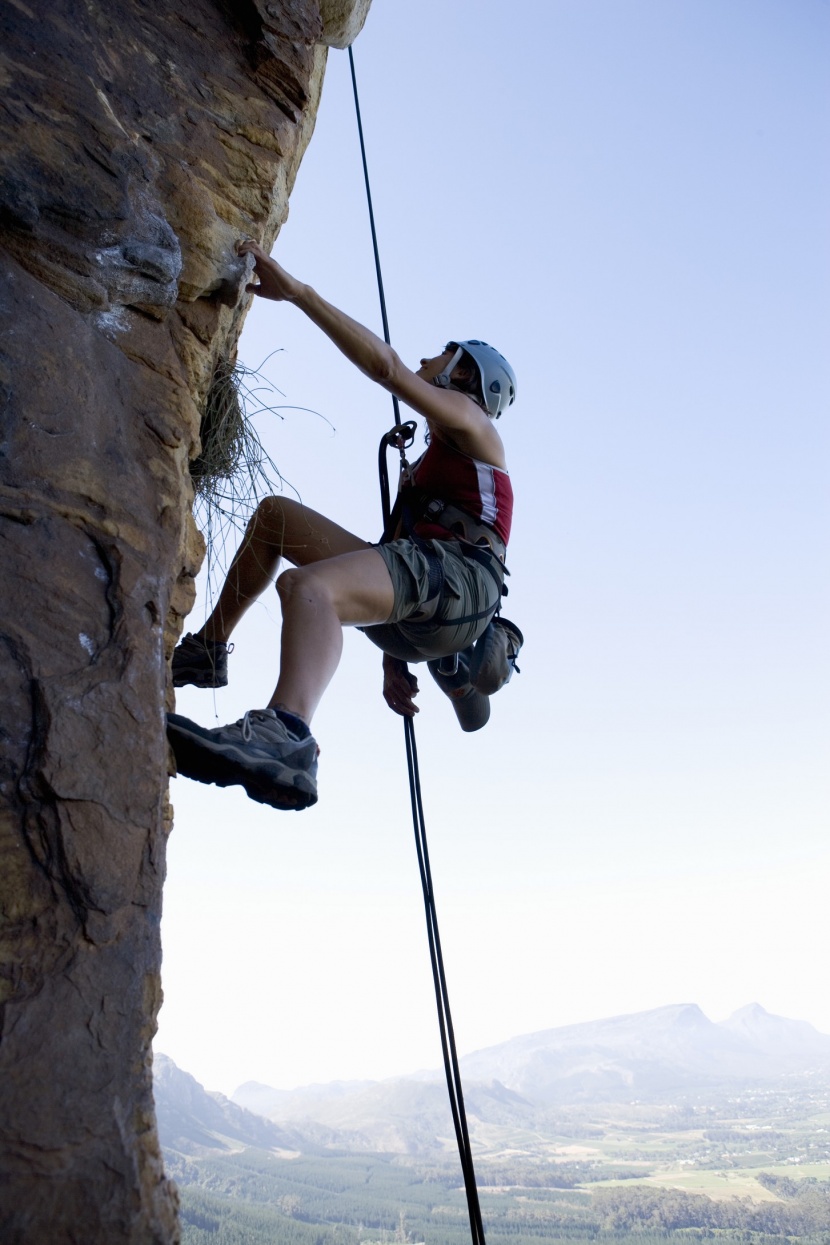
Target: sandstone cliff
x: 138, y: 141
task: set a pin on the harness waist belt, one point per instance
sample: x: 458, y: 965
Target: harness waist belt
x: 460, y: 524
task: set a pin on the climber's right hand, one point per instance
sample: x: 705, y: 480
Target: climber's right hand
x: 272, y: 280
x: 399, y: 686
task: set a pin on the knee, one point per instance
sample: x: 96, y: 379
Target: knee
x: 269, y: 509
x: 299, y: 583
x: 287, y: 584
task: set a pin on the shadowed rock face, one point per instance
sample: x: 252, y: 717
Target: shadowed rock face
x: 138, y: 142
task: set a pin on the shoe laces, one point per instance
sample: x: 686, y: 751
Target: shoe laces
x: 247, y: 732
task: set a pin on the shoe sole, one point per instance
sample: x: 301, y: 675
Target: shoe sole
x: 472, y: 710
x: 293, y: 790
x: 197, y: 678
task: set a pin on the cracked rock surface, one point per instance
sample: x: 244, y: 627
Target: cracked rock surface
x: 138, y: 142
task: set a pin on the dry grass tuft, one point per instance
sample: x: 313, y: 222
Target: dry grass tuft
x: 223, y: 431
x: 233, y: 472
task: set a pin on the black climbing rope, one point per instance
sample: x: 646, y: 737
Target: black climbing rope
x: 400, y: 436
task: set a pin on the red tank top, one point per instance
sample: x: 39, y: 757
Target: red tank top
x: 483, y: 491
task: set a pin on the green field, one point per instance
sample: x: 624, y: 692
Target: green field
x: 722, y: 1184
x: 753, y: 1169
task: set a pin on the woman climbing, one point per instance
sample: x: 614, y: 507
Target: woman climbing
x: 425, y: 594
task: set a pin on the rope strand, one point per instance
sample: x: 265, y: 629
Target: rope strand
x: 378, y: 272
x: 442, y: 998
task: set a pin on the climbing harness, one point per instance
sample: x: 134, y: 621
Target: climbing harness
x: 420, y: 516
x: 486, y: 550
x: 401, y: 437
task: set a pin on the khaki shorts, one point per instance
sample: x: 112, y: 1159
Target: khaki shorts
x: 470, y: 592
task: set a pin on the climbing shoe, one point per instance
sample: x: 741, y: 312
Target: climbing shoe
x: 453, y: 677
x: 494, y: 656
x: 204, y: 663
x: 272, y: 754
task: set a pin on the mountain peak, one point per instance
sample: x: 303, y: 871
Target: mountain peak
x: 191, y: 1120
x: 752, y: 1011
x: 777, y: 1036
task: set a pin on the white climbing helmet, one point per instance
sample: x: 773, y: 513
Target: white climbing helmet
x: 498, y: 380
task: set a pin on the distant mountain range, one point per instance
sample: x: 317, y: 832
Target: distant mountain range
x: 509, y: 1089
x: 193, y: 1121
x: 649, y: 1055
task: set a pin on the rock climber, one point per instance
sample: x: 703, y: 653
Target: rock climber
x: 425, y: 594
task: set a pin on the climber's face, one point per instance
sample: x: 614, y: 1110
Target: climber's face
x: 430, y: 368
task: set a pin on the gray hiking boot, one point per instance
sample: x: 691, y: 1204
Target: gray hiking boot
x: 494, y: 656
x: 263, y: 752
x: 204, y: 663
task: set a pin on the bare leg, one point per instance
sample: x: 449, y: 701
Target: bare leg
x: 317, y: 602
x: 279, y: 527
x: 271, y: 756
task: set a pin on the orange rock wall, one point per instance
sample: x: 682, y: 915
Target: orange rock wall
x: 138, y: 141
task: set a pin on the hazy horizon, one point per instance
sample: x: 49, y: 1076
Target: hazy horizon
x: 464, y: 1053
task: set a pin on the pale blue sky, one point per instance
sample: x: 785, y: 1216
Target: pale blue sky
x: 630, y: 200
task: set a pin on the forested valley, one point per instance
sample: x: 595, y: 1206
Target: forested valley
x: 751, y: 1169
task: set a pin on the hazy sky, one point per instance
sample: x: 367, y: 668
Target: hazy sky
x: 630, y: 199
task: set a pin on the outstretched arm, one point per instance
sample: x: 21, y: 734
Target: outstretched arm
x: 466, y: 423
x: 361, y: 346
